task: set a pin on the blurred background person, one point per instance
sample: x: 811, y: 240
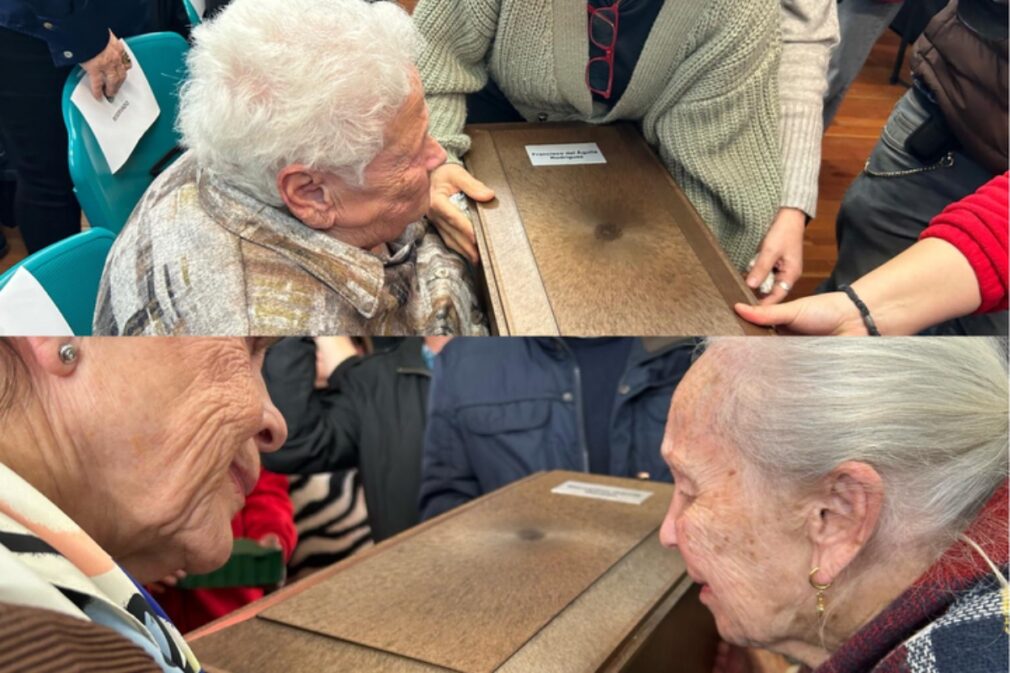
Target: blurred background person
x: 40, y: 41
x: 844, y: 501
x: 364, y: 412
x: 122, y: 461
x: 501, y: 409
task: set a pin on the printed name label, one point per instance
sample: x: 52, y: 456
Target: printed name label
x: 629, y: 496
x: 565, y: 155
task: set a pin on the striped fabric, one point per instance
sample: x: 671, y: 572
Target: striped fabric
x: 331, y: 518
x: 33, y: 640
x: 49, y: 563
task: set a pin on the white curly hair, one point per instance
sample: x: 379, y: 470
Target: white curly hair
x: 279, y: 82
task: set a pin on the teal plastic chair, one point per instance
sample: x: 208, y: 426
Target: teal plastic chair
x: 194, y: 17
x: 70, y: 272
x: 106, y: 199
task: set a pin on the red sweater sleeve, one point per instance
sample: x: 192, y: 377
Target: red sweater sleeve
x: 977, y: 226
x: 268, y: 510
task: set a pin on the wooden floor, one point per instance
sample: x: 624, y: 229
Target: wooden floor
x: 846, y: 145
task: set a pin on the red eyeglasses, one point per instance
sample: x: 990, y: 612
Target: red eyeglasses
x: 603, y: 23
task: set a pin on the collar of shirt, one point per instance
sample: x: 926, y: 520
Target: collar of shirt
x: 357, y: 275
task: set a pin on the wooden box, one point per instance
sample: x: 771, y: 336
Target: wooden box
x: 597, y: 249
x: 523, y: 580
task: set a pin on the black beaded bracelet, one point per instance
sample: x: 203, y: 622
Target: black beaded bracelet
x: 871, y: 327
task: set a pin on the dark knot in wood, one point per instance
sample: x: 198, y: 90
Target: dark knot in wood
x: 530, y: 534
x: 608, y: 231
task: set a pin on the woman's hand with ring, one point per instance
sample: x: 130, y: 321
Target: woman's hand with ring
x: 107, y: 71
x: 781, y: 253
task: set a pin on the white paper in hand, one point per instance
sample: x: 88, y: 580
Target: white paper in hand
x: 27, y: 309
x: 120, y: 122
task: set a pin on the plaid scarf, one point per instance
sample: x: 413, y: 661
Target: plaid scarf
x: 953, y: 619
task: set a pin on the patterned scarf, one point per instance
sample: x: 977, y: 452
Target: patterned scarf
x: 48, y: 562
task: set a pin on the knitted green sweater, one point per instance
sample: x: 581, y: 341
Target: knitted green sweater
x: 705, y: 91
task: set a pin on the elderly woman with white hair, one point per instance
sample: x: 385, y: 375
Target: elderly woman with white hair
x: 844, y: 502
x: 121, y: 461
x: 298, y: 206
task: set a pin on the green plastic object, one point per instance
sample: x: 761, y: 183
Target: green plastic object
x: 107, y: 199
x: 250, y: 565
x: 70, y: 271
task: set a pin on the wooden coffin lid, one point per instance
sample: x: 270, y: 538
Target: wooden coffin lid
x: 505, y: 581
x: 602, y: 249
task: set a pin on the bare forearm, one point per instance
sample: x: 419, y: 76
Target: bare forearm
x: 927, y: 284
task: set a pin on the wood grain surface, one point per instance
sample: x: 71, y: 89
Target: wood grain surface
x: 624, y: 611
x: 261, y: 646
x: 466, y: 595
x: 513, y: 289
x: 604, y: 249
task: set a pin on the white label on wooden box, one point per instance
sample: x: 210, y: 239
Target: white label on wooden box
x: 568, y: 154
x: 629, y: 496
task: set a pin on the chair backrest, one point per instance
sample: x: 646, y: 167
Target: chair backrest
x: 194, y: 16
x: 106, y: 199
x: 70, y: 272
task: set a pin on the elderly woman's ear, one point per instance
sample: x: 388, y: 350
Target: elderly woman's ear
x: 844, y: 514
x: 56, y: 356
x: 307, y: 195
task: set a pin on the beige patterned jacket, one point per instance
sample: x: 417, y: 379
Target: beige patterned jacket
x: 201, y: 257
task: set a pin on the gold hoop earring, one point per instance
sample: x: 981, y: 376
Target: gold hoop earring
x: 820, y: 589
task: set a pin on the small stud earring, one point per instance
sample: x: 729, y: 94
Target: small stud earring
x: 68, y: 354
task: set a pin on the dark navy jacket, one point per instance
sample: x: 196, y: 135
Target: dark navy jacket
x: 501, y: 409
x: 76, y: 30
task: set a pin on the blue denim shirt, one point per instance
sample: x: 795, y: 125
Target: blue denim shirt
x: 75, y: 30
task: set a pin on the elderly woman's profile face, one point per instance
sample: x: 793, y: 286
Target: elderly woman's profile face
x: 737, y: 545
x: 174, y: 442
x: 396, y: 189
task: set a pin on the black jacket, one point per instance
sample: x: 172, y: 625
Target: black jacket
x: 371, y: 417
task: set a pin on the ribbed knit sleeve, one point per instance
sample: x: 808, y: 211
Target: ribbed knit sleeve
x: 977, y: 226
x: 809, y: 32
x: 453, y: 63
x: 717, y: 123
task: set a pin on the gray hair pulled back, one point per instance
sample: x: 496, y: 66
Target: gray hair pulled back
x: 930, y: 414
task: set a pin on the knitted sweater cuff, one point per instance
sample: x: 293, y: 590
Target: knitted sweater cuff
x: 802, y: 126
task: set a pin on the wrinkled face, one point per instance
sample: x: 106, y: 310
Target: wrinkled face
x: 175, y: 443
x: 395, y: 192
x: 736, y: 539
